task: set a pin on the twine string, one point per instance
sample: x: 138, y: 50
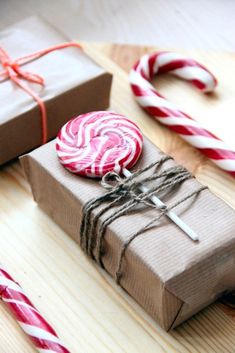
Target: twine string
x: 12, y: 70
x: 121, y: 198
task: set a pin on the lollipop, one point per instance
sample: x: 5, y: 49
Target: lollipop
x: 99, y: 142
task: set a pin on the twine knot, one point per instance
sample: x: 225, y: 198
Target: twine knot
x: 112, y: 180
x: 12, y: 70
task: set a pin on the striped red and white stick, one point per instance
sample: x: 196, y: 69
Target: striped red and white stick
x: 168, y: 114
x: 41, y: 334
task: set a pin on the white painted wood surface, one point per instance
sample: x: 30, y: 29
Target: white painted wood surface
x: 207, y: 24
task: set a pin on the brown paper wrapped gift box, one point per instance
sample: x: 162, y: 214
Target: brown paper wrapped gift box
x: 74, y: 84
x: 169, y: 275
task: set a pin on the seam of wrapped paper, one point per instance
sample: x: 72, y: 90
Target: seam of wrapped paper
x: 219, y: 288
x: 169, y: 320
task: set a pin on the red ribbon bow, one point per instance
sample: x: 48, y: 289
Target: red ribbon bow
x: 12, y: 70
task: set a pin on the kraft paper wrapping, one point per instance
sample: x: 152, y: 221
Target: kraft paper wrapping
x: 168, y: 274
x: 74, y: 84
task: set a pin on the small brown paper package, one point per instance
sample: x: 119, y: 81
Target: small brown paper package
x: 74, y: 84
x: 168, y: 274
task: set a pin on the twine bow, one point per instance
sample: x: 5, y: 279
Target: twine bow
x: 12, y: 70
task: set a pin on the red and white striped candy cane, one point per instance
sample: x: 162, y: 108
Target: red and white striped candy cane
x: 41, y: 334
x: 168, y: 114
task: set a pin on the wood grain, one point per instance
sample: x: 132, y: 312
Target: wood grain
x: 182, y: 24
x: 89, y: 312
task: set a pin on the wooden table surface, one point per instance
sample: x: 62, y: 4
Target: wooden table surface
x: 87, y: 309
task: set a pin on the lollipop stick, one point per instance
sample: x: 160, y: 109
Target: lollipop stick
x: 185, y: 228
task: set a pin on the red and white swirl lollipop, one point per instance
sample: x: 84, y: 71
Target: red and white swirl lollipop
x: 99, y: 142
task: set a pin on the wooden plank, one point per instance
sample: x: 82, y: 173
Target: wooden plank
x: 90, y: 313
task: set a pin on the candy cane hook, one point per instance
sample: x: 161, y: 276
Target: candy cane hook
x: 168, y: 114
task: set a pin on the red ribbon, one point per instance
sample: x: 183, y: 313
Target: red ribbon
x: 13, y: 71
